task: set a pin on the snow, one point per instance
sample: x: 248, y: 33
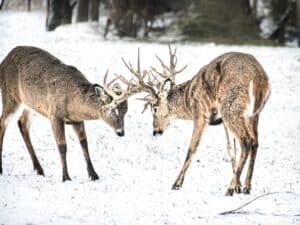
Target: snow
x: 137, y: 171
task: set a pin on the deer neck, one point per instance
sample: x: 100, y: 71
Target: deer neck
x: 177, y: 102
x: 85, y: 105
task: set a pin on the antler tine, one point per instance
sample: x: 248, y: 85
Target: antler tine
x: 138, y: 63
x: 106, y: 86
x: 131, y: 86
x: 105, y: 76
x: 148, y: 102
x: 182, y: 69
x: 155, y: 79
x: 140, y: 76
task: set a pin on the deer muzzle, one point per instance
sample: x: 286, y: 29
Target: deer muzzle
x: 157, y: 132
x: 120, y: 132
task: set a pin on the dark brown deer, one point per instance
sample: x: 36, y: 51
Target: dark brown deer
x: 127, y: 14
x: 233, y: 89
x: 38, y: 81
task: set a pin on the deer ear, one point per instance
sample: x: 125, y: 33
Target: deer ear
x: 167, y: 85
x: 98, y: 89
x: 117, y: 88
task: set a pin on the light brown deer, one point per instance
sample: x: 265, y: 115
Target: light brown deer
x: 34, y: 78
x: 233, y: 89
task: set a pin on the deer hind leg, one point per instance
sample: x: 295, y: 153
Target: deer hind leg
x: 58, y: 128
x: 254, y: 145
x: 24, y: 126
x: 231, y: 150
x: 80, y: 132
x: 240, y: 130
x: 108, y: 23
x: 9, y: 107
x: 199, y: 126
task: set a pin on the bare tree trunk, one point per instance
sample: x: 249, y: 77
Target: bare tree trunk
x: 1, y: 3
x: 245, y: 6
x: 58, y: 12
x: 254, y: 9
x: 83, y: 11
x: 94, y: 10
x: 298, y: 19
x: 28, y: 5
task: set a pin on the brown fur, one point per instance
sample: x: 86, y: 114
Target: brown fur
x: 35, y: 78
x: 219, y: 88
x: 126, y: 11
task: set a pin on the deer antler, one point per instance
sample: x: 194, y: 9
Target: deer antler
x: 117, y: 98
x: 140, y: 76
x: 169, y: 72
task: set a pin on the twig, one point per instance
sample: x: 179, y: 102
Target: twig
x: 258, y: 197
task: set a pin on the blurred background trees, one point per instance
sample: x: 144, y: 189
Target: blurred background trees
x: 222, y: 21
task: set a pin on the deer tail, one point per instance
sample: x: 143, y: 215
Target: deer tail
x: 262, y: 99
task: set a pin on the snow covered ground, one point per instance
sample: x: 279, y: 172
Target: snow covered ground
x: 137, y: 171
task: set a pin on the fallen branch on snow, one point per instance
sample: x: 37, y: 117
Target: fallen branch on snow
x: 233, y: 211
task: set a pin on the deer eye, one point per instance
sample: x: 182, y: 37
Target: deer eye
x: 154, y: 109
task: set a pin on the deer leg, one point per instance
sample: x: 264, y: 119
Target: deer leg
x: 58, y: 128
x: 80, y: 132
x: 245, y: 141
x: 146, y: 28
x: 199, y: 126
x: 252, y: 155
x: 108, y: 23
x: 9, y: 107
x: 231, y: 150
x: 24, y: 124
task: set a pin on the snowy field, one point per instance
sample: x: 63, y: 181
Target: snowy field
x: 137, y: 171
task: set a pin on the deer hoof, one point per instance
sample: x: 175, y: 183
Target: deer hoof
x: 246, y: 190
x: 66, y: 178
x: 238, y: 189
x: 40, y: 171
x: 94, y: 176
x: 229, y: 192
x: 176, y: 187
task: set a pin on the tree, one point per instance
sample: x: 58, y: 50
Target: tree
x: 82, y: 11
x: 94, y: 10
x: 58, y: 12
x: 298, y: 19
x: 28, y: 5
x: 1, y: 3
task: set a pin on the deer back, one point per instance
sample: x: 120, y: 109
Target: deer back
x: 45, y: 84
x: 232, y: 78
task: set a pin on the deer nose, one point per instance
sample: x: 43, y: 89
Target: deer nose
x: 120, y: 133
x: 157, y: 132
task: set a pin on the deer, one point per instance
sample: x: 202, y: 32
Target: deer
x: 232, y: 89
x: 34, y: 81
x: 127, y: 14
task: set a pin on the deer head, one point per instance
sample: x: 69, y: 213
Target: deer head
x: 116, y: 106
x: 159, y: 98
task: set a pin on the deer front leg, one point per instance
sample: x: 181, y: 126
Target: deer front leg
x: 58, y: 128
x: 9, y: 106
x: 108, y: 23
x: 199, y: 126
x: 81, y: 134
